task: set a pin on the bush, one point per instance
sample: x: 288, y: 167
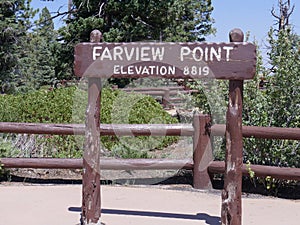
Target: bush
x: 129, y: 108
x: 42, y: 106
x: 60, y: 106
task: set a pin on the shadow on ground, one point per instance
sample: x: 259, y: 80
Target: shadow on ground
x: 211, y: 220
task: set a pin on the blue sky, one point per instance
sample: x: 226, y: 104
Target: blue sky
x: 250, y: 15
x: 53, y: 7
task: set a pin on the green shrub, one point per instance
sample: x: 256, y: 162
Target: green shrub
x: 42, y: 106
x: 129, y: 108
x: 60, y: 106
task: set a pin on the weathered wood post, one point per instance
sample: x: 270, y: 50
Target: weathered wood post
x: 91, y: 198
x: 166, y: 98
x: 202, y: 154
x: 231, y: 213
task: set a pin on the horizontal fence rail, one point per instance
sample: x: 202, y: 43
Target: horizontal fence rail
x: 105, y: 129
x: 105, y: 164
x: 147, y: 130
x: 165, y: 93
x: 284, y: 173
x: 161, y: 93
x: 260, y: 132
x: 215, y: 167
x: 179, y: 88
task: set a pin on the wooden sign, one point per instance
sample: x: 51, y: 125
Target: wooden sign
x: 232, y: 61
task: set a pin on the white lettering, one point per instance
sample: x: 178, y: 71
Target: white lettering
x: 130, y: 70
x: 118, y: 51
x: 158, y: 53
x: 145, y: 54
x: 163, y: 70
x: 138, y: 70
x: 95, y: 53
x: 137, y: 55
x: 106, y: 54
x: 196, y: 71
x: 116, y: 69
x: 148, y: 53
x: 123, y: 71
x: 214, y: 53
x: 172, y: 70
x: 206, y: 54
x: 129, y: 55
x: 145, y: 71
x: 151, y: 69
x: 227, y: 49
x: 198, y: 51
x: 184, y: 51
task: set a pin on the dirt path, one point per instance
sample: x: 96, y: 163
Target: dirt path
x: 60, y: 205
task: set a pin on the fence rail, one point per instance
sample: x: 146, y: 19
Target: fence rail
x: 284, y: 173
x: 147, y: 130
x: 164, y: 92
x: 105, y: 164
x: 150, y: 164
x: 260, y: 132
x: 105, y: 129
x: 214, y: 167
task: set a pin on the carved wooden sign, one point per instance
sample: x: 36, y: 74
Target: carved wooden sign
x: 232, y: 61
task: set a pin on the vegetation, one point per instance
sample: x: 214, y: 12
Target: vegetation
x: 175, y: 20
x: 277, y: 104
x: 272, y: 98
x: 33, y: 56
x: 60, y: 106
x: 14, y: 23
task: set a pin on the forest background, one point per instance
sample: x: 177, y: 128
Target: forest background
x: 35, y: 58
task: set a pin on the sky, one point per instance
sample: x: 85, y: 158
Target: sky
x: 249, y: 15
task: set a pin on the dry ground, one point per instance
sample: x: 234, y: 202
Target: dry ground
x: 163, y: 205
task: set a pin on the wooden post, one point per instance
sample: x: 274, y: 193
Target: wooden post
x: 91, y: 198
x: 166, y: 98
x: 231, y: 213
x: 202, y: 154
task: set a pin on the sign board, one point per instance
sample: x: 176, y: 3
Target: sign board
x: 232, y: 61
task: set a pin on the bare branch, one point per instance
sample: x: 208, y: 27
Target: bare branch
x: 292, y: 10
x: 285, y: 11
x: 273, y: 13
x: 141, y: 21
x: 57, y: 14
x: 100, y: 9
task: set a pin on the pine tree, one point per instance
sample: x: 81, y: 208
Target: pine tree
x: 284, y: 82
x: 14, y: 23
x: 37, y: 67
x: 137, y: 20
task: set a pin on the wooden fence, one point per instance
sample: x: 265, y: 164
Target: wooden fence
x: 201, y: 132
x: 170, y: 96
x: 120, y: 130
